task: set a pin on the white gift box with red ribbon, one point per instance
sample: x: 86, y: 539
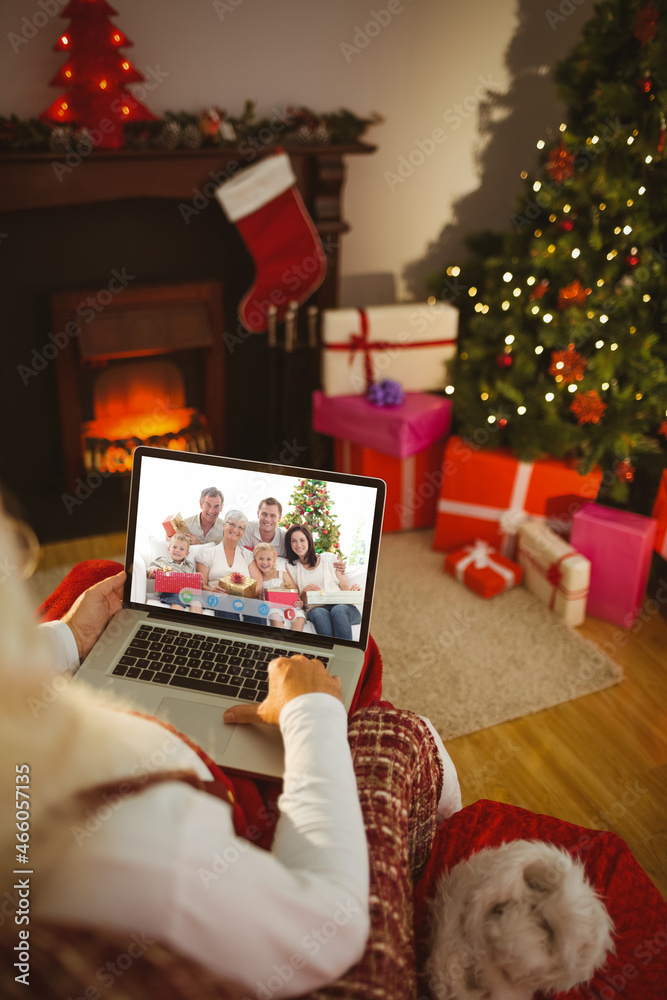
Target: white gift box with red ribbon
x: 409, y: 342
x: 554, y: 571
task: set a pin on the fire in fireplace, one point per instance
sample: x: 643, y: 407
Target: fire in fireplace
x: 140, y: 403
x: 148, y: 368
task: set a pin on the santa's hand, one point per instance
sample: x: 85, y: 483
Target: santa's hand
x: 289, y: 677
x: 92, y: 610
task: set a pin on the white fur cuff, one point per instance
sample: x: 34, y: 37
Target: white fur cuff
x: 256, y: 186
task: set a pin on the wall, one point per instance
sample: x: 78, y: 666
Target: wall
x: 449, y: 156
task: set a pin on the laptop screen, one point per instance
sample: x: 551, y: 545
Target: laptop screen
x: 253, y: 547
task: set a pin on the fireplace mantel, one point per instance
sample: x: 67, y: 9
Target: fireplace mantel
x: 46, y: 180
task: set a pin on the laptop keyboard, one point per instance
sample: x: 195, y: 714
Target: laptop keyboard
x: 223, y: 666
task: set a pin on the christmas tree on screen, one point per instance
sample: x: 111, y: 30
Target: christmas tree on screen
x: 310, y: 504
x: 96, y: 74
x: 564, y: 343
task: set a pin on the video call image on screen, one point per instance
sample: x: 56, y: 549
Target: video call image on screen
x: 216, y: 541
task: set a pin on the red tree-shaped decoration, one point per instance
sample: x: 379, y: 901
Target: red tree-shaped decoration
x: 96, y: 74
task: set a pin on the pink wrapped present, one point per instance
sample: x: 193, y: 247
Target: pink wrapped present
x: 403, y: 430
x: 619, y: 545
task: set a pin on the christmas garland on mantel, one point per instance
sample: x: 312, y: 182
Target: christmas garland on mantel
x: 288, y: 126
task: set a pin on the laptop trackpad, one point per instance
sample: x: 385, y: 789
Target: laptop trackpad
x: 201, y: 722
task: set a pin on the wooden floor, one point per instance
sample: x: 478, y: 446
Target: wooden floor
x: 599, y: 761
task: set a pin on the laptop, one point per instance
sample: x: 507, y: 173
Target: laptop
x: 186, y: 668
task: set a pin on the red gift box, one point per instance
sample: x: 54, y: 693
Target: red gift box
x: 173, y: 581
x: 173, y: 524
x: 483, y: 570
x: 488, y: 494
x: 279, y: 596
x: 660, y: 514
x: 412, y: 483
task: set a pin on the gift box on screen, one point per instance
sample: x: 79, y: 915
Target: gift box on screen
x: 281, y: 595
x: 410, y: 342
x: 619, y: 545
x: 238, y: 585
x: 419, y: 421
x: 175, y: 523
x: 488, y: 494
x: 554, y: 571
x: 660, y: 514
x: 412, y: 482
x: 173, y: 581
x: 483, y: 569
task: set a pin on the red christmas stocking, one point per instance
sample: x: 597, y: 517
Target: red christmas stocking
x: 275, y: 225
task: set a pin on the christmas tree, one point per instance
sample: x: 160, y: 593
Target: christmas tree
x: 311, y: 505
x: 563, y: 349
x: 96, y: 75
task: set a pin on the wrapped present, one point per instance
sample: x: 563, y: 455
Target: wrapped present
x: 335, y: 597
x: 619, y: 545
x: 175, y: 524
x: 171, y: 581
x: 238, y: 585
x: 660, y: 514
x: 410, y: 342
x: 404, y: 430
x: 489, y: 494
x: 281, y: 595
x: 483, y: 569
x: 412, y: 482
x: 554, y: 571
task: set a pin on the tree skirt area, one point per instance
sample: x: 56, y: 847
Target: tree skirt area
x: 469, y: 663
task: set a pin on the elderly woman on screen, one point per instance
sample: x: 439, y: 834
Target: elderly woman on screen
x: 228, y: 556
x: 313, y: 572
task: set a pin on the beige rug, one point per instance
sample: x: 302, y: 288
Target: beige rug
x: 469, y: 663
x: 464, y: 662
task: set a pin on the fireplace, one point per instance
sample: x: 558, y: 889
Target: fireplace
x: 120, y: 213
x: 145, y: 366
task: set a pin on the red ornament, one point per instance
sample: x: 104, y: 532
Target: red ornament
x: 632, y: 260
x: 502, y: 422
x: 96, y: 75
x: 539, y: 290
x: 504, y: 361
x: 662, y: 429
x: 588, y: 407
x: 567, y: 366
x: 561, y: 164
x: 625, y: 472
x: 567, y: 225
x: 646, y: 83
x: 573, y: 294
x: 647, y: 18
